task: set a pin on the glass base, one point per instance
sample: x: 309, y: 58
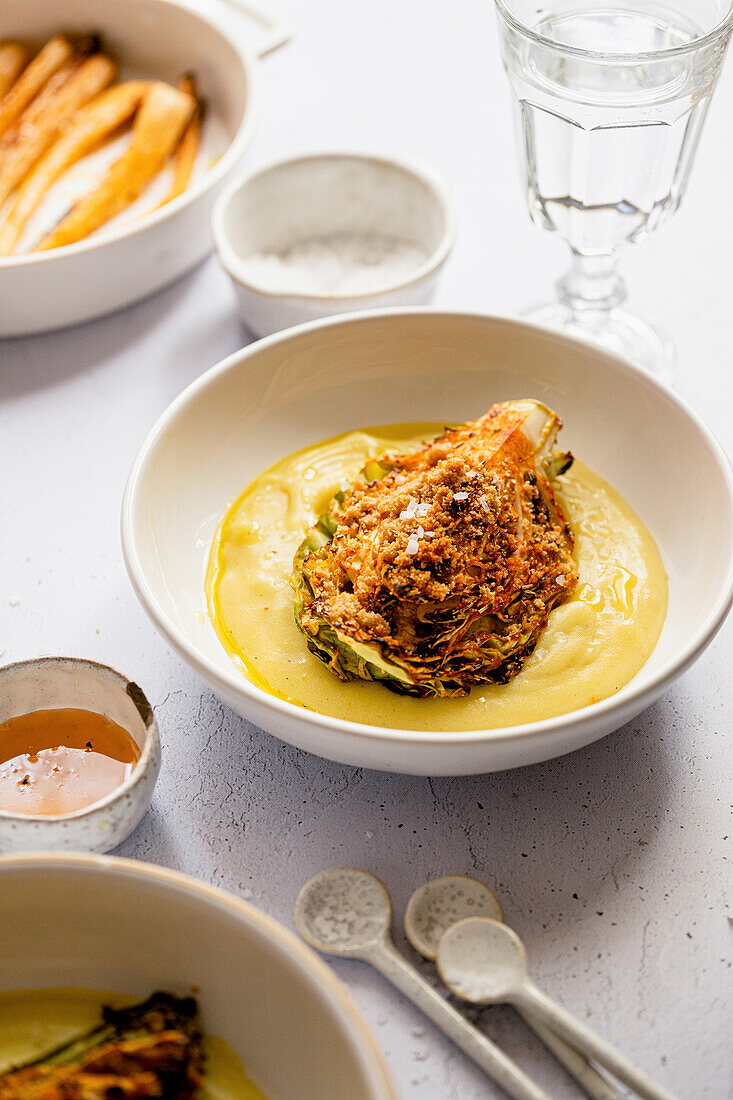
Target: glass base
x: 618, y: 330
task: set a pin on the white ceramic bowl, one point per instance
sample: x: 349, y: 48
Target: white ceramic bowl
x: 123, y: 264
x: 321, y: 194
x: 121, y: 926
x: 327, y: 377
x: 52, y: 683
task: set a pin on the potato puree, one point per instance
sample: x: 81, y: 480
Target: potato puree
x: 33, y: 1021
x: 592, y: 646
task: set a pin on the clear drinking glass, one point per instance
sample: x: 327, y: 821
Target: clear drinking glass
x: 612, y: 97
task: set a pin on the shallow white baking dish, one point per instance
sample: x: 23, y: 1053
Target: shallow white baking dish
x: 130, y: 260
x: 326, y: 377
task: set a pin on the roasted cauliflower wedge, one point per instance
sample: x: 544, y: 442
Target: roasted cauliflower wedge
x: 436, y: 571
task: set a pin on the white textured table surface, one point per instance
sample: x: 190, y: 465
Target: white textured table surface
x: 611, y: 862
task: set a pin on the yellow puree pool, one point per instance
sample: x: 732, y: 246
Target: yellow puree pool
x: 33, y: 1021
x: 592, y: 646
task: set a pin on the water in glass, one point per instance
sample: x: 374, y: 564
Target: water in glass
x: 608, y: 146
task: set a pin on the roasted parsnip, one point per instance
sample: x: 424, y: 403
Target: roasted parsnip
x: 88, y: 129
x: 13, y: 59
x: 48, y: 61
x: 48, y: 115
x: 159, y: 123
x: 188, y: 147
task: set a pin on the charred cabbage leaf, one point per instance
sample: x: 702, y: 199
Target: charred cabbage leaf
x: 153, y: 1049
x: 436, y: 571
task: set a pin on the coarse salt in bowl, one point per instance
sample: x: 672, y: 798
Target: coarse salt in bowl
x: 332, y: 232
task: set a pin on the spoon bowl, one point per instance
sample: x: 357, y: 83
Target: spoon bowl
x: 441, y: 903
x: 437, y: 906
x: 343, y: 911
x: 347, y: 912
x: 482, y: 960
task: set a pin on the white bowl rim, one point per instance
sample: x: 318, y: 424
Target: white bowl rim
x: 209, y: 179
x: 237, y: 682
x: 303, y: 958
x: 152, y: 742
x: 412, y: 166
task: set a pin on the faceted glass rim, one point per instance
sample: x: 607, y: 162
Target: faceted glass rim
x: 725, y: 25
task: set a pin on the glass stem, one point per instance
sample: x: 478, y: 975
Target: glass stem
x: 593, y: 286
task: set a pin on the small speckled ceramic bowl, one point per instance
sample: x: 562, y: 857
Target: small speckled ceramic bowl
x: 54, y: 683
x: 313, y: 197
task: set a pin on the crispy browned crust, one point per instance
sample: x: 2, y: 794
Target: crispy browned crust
x: 127, y: 1068
x: 154, y: 1049
x: 459, y: 544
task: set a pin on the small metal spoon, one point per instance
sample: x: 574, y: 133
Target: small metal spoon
x: 441, y: 903
x: 484, y: 962
x: 348, y: 913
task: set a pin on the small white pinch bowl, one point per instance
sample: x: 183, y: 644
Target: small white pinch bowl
x: 54, y: 683
x: 131, y: 258
x: 315, y: 195
x: 310, y: 383
x: 98, y: 922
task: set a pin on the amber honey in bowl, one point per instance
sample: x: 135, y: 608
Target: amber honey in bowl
x: 59, y: 761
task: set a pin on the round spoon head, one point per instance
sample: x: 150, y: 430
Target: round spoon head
x: 438, y: 904
x: 482, y: 961
x: 343, y: 912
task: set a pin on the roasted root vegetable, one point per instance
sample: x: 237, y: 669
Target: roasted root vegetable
x: 13, y: 59
x: 44, y: 120
x: 188, y: 147
x: 436, y: 571
x: 159, y: 124
x: 46, y: 62
x: 53, y: 112
x: 154, y: 1049
x: 89, y: 128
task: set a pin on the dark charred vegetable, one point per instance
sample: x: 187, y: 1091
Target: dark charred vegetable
x: 153, y: 1049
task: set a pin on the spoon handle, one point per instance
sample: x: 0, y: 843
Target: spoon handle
x: 486, y: 1054
x: 579, y: 1068
x: 568, y: 1027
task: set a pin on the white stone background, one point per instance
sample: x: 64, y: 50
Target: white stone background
x: 611, y: 861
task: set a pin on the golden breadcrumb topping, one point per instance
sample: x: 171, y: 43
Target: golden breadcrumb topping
x: 467, y: 523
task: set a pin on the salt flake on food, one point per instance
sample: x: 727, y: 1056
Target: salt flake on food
x: 483, y: 502
x: 460, y: 496
x: 413, y: 546
x: 410, y: 511
x: 422, y: 509
x: 420, y: 533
